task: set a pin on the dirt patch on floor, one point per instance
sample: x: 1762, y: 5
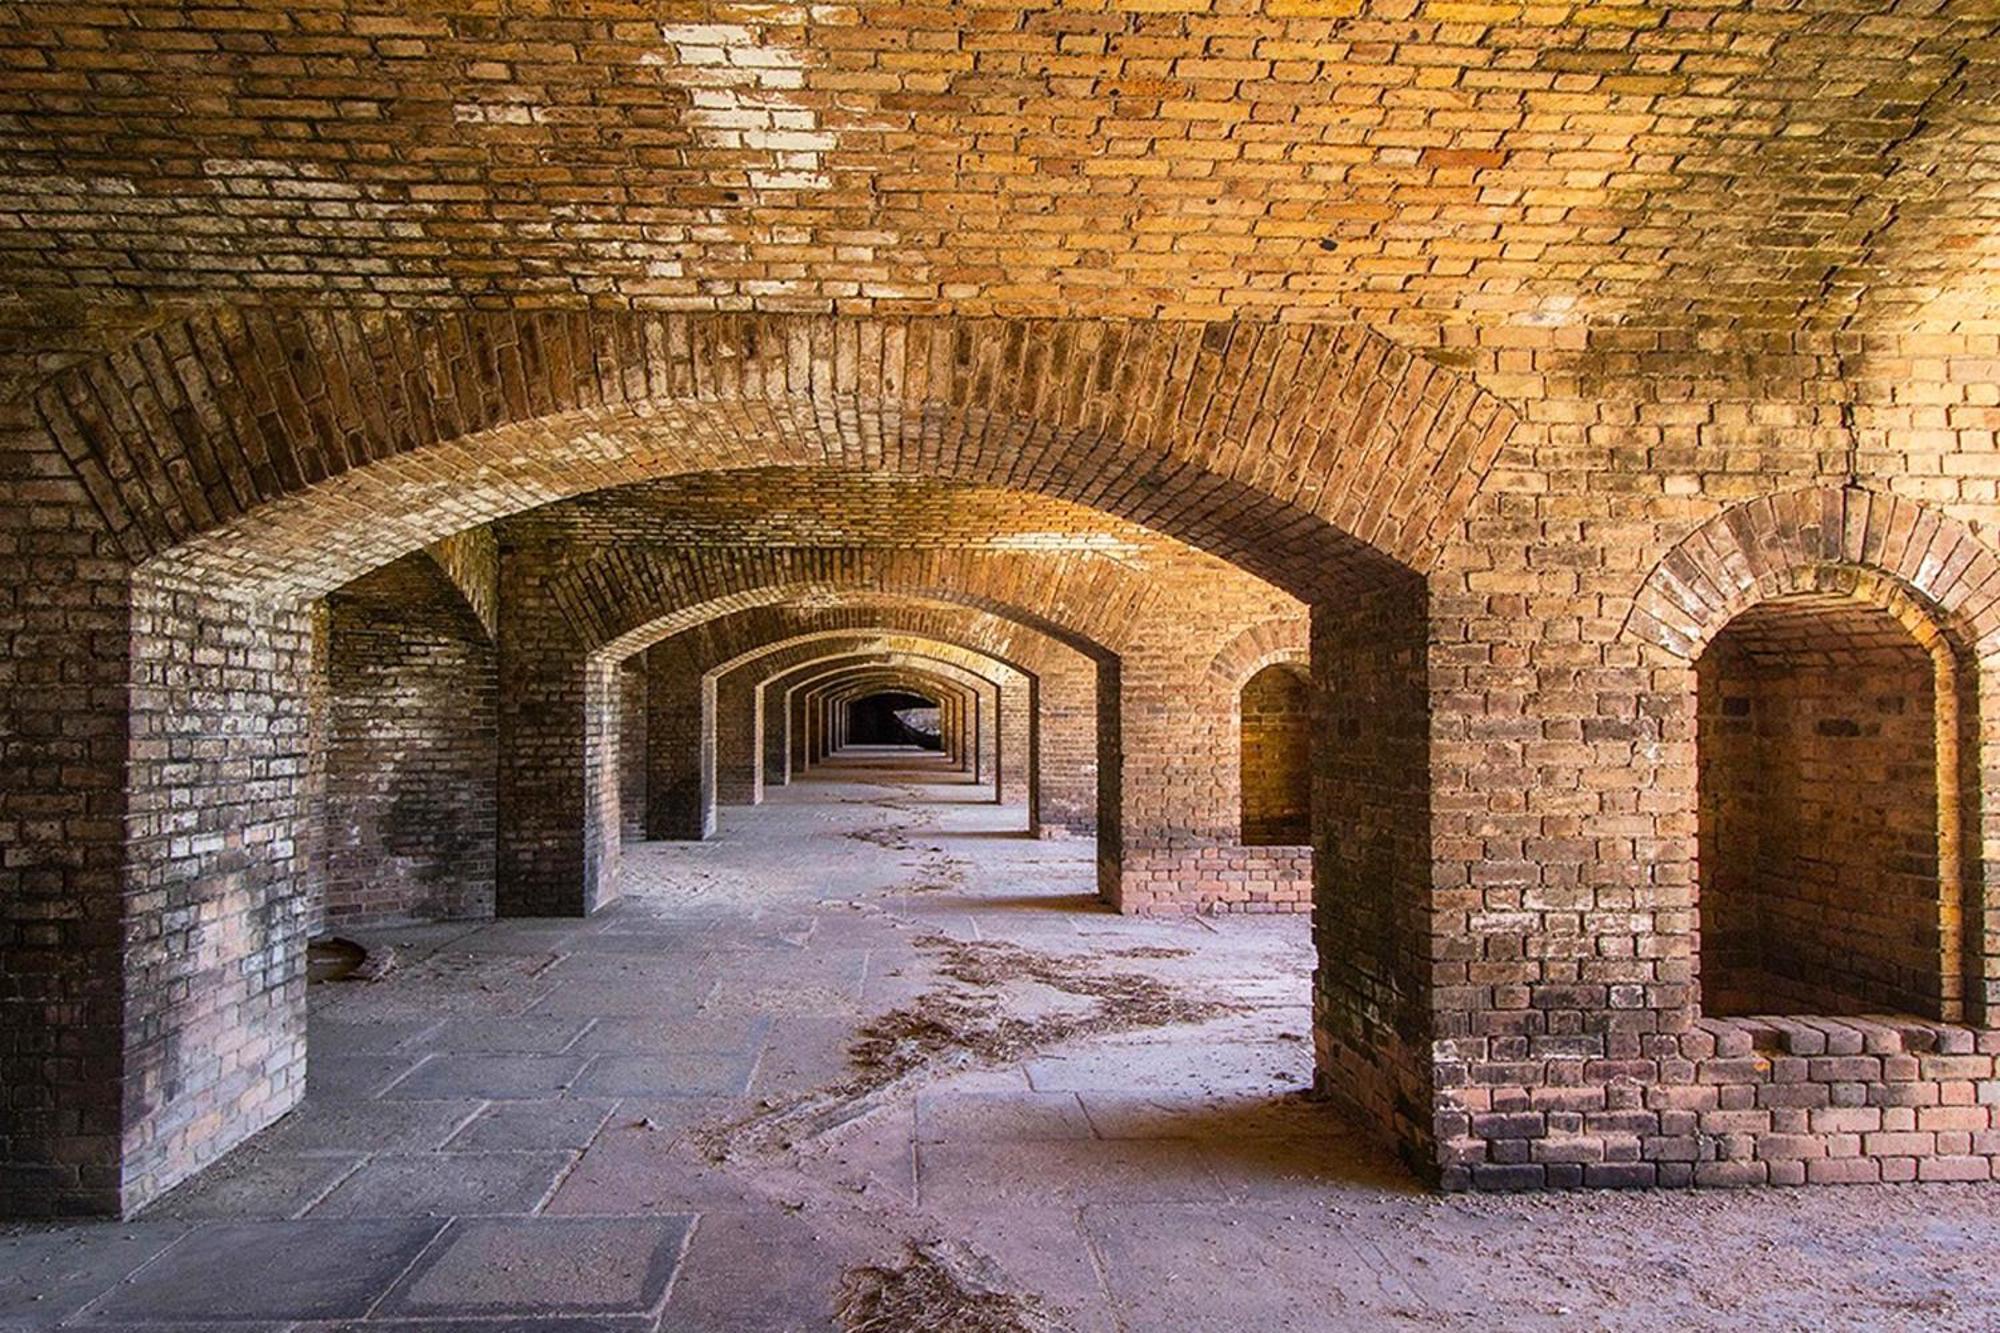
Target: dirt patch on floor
x: 942, y: 1288
x: 891, y: 838
x: 965, y: 1023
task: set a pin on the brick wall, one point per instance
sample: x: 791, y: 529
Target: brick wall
x: 65, y: 621
x: 412, y: 750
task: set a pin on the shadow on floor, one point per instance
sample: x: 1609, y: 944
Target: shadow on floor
x: 1038, y: 902
x: 1287, y: 1139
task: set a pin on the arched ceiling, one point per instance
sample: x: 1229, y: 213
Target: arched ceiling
x: 1427, y: 165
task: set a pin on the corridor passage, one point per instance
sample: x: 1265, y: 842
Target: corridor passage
x: 871, y: 1019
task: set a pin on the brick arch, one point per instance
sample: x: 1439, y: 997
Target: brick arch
x: 839, y: 671
x: 1829, y: 548
x: 708, y: 640
x: 1286, y: 640
x: 635, y: 599
x: 291, y: 450
x: 1925, y: 567
x: 1018, y: 686
x: 734, y: 638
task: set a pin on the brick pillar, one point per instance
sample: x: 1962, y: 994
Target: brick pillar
x: 217, y: 876
x: 739, y: 750
x: 411, y: 752
x: 777, y: 733
x: 1066, y: 746
x: 1372, y: 1003
x: 680, y: 745
x: 1010, y: 738
x: 557, y: 722
x: 62, y: 823
x: 632, y: 748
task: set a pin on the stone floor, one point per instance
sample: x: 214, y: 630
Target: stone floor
x: 517, y: 1129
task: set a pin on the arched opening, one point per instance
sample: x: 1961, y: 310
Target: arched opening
x: 409, y: 748
x: 1829, y: 798
x: 895, y: 718
x: 1275, y: 756
x: 1115, y: 516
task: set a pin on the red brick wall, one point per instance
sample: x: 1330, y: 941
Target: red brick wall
x: 412, y: 750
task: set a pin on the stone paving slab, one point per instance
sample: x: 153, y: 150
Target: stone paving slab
x: 333, y: 1076
x: 760, y: 1271
x: 364, y: 1036
x: 1174, y: 1270
x: 368, y: 1126
x: 524, y: 1035
x: 957, y: 1116
x: 451, y: 1184
x: 675, y: 1074
x: 1157, y: 1115
x: 702, y: 1031
x: 611, y: 1266
x: 1181, y: 1067
x: 491, y: 1076
x: 269, y: 1271
x: 257, y: 1183
x: 803, y: 1053
x: 636, y: 1172
x: 527, y: 1125
x: 1041, y: 1251
x: 621, y: 998
x: 609, y: 1323
x: 47, y: 1276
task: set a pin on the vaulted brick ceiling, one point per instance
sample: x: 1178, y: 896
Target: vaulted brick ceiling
x: 1455, y: 173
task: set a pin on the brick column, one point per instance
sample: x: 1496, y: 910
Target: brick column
x: 739, y: 750
x: 62, y: 836
x: 1372, y: 866
x: 217, y: 877
x: 680, y: 744
x: 558, y: 738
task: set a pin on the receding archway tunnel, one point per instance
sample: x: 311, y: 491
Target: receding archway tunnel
x: 656, y: 608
